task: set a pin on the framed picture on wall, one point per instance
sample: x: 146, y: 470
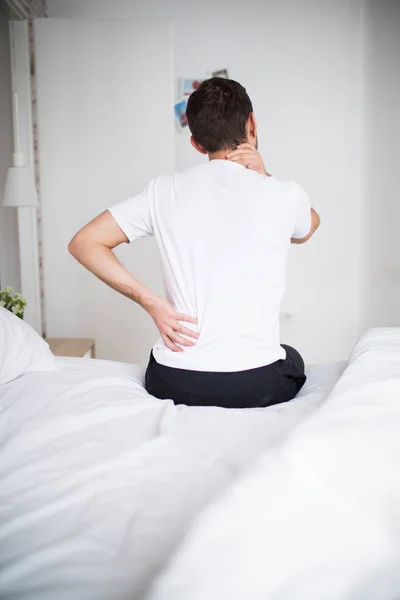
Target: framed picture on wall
x: 189, y: 85
x: 221, y: 73
x: 180, y: 113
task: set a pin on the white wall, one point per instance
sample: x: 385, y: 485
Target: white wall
x: 105, y: 128
x: 303, y: 73
x: 9, y: 249
x: 382, y: 160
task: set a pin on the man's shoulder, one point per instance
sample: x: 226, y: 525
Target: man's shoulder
x: 284, y: 187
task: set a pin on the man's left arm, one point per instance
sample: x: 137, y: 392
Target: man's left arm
x: 315, y: 223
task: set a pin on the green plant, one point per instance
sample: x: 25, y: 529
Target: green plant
x: 15, y: 303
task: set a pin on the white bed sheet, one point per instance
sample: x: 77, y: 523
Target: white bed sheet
x: 99, y: 481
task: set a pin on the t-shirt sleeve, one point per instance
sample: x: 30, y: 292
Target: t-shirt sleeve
x: 133, y: 215
x: 302, y: 212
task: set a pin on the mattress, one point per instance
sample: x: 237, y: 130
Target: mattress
x: 99, y: 481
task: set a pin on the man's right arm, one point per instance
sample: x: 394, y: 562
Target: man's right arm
x: 93, y: 247
x: 315, y: 223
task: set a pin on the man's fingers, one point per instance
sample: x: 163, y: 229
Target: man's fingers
x: 239, y: 157
x: 241, y: 152
x: 182, y: 317
x: 178, y: 339
x: 242, y: 148
x: 186, y: 331
x: 173, y: 334
x: 243, y: 159
x: 170, y: 344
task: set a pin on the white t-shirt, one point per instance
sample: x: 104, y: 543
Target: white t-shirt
x: 223, y: 234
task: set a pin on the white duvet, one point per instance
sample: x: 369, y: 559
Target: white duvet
x: 99, y: 481
x: 318, y: 517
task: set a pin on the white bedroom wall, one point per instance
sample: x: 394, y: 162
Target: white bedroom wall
x: 105, y: 128
x: 382, y: 159
x: 9, y: 248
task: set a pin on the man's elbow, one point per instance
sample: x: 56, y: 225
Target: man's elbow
x: 316, y: 221
x: 299, y: 240
x: 77, y: 245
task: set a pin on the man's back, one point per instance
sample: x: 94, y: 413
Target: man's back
x: 223, y: 230
x: 223, y: 233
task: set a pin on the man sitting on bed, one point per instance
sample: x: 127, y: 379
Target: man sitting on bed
x: 223, y: 230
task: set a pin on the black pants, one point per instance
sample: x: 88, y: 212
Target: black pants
x: 263, y: 386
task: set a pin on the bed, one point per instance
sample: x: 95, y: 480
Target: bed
x: 99, y: 482
x: 318, y: 516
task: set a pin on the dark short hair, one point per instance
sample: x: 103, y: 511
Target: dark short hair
x: 217, y: 113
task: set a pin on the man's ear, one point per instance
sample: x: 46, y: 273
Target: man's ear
x: 197, y: 146
x: 252, y: 126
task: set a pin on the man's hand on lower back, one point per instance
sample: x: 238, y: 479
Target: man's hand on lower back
x: 248, y: 157
x: 169, y: 325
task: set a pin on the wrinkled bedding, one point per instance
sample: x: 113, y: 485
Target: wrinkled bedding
x: 318, y: 516
x: 99, y: 481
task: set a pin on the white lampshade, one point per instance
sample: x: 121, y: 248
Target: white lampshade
x: 20, y: 188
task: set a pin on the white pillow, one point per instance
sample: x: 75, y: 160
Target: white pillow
x: 22, y: 350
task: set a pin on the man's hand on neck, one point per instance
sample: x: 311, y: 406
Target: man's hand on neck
x: 249, y: 157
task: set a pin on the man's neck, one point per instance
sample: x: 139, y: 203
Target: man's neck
x: 220, y: 155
